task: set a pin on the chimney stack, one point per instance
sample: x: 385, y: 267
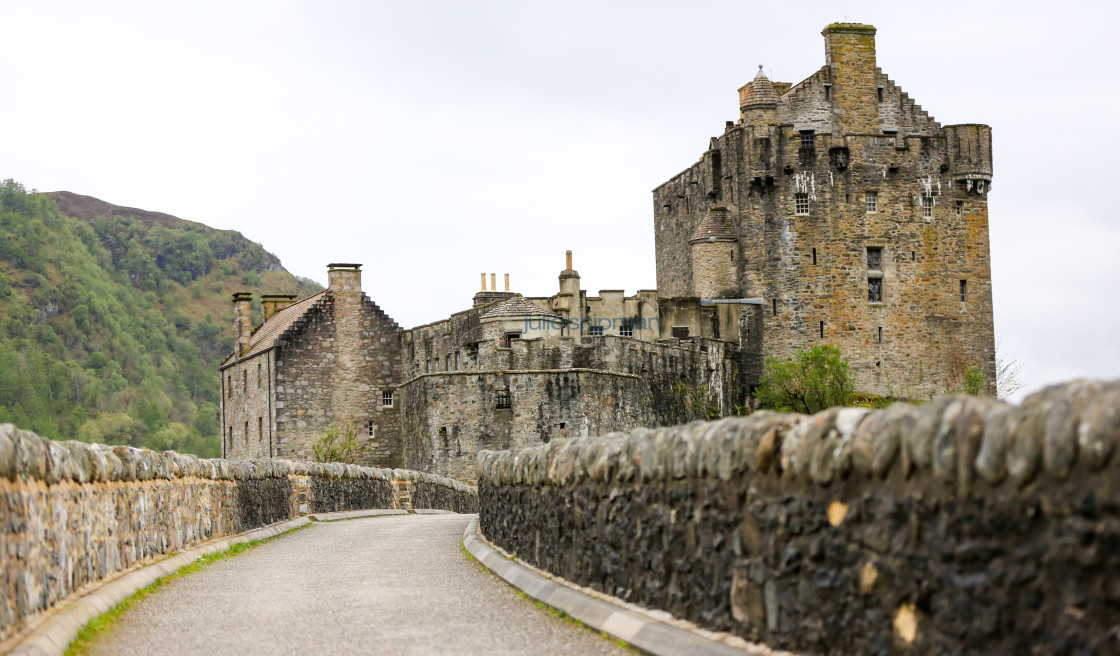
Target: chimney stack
x: 273, y: 303
x: 344, y: 277
x: 242, y: 321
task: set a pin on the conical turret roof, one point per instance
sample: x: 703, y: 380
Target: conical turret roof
x: 760, y: 92
x: 715, y: 226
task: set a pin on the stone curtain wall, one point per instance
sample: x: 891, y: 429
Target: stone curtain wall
x: 72, y: 514
x: 962, y: 526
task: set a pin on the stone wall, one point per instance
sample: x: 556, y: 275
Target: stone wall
x: 613, y: 383
x: 73, y: 514
x: 962, y: 526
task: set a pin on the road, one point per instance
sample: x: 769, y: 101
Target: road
x: 385, y: 585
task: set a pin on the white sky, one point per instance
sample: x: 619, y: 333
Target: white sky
x: 433, y: 141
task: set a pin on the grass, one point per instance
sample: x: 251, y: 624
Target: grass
x: 101, y: 624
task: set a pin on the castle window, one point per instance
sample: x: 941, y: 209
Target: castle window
x: 875, y: 290
x: 595, y: 330
x: 246, y: 433
x: 370, y: 428
x: 880, y: 90
x: 244, y: 382
x: 502, y: 399
x: 912, y: 256
x: 822, y: 330
x: 807, y: 139
x: 874, y: 258
x: 260, y: 429
x: 964, y: 288
x: 801, y: 204
x: 679, y: 332
x: 814, y: 256
x: 387, y: 399
x: 774, y: 306
x: 828, y: 92
x: 258, y: 375
x: 927, y: 205
x: 880, y: 334
x: 457, y: 361
x: 626, y: 329
x: 509, y: 338
x: 960, y: 208
x: 447, y: 362
x: 428, y: 365
x: 872, y: 199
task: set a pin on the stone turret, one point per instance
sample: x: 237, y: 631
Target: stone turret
x: 758, y: 103
x: 715, y: 259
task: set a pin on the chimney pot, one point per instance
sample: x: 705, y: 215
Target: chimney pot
x: 484, y: 282
x: 493, y: 282
x: 568, y: 260
x: 507, y: 282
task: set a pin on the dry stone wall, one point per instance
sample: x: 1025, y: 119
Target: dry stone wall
x: 962, y: 526
x: 73, y: 514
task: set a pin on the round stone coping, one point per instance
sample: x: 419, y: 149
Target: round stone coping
x: 643, y: 632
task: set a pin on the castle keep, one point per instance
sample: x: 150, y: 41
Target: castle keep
x: 855, y: 218
x: 834, y: 211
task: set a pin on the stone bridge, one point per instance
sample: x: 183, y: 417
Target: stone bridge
x: 960, y: 526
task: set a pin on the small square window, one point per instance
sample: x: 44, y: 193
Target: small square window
x: 509, y: 338
x: 502, y: 399
x: 626, y: 329
x: 807, y: 139
x: 960, y: 208
x: 875, y: 290
x: 387, y: 399
x: 872, y: 202
x: 927, y: 205
x: 801, y: 204
x: 875, y: 258
x: 595, y: 330
x: 370, y: 428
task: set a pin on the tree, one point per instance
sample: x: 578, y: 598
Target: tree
x: 811, y: 381
x: 1009, y: 376
x: 338, y: 444
x: 974, y: 381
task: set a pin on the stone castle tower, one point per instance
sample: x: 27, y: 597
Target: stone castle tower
x: 850, y: 217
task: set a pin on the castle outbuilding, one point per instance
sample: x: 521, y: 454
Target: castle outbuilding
x: 833, y: 211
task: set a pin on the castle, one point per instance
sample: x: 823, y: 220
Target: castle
x: 834, y: 211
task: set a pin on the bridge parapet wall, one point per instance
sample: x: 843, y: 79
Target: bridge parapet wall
x: 75, y: 514
x: 962, y: 526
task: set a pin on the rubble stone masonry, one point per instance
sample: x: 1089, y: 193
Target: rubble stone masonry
x: 962, y: 526
x: 75, y: 514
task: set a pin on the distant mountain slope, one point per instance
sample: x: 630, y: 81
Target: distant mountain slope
x: 113, y: 319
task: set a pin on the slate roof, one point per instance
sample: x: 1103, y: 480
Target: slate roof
x: 715, y: 226
x: 267, y: 334
x: 516, y: 307
x: 760, y: 92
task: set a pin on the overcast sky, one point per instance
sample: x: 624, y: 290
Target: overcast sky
x: 433, y: 141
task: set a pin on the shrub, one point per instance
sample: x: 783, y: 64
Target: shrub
x: 811, y: 381
x: 338, y: 444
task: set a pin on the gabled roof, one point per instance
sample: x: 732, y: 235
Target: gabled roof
x: 516, y: 307
x: 715, y: 226
x: 265, y: 337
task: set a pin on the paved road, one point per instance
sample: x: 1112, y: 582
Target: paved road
x: 389, y: 585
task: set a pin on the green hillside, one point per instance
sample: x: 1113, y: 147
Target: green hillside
x: 113, y: 320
